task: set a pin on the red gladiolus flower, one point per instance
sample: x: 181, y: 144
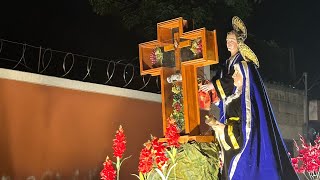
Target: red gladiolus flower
x: 307, y: 160
x: 172, y: 133
x: 301, y: 170
x: 119, y: 143
x: 159, y: 152
x: 294, y: 160
x: 145, y: 159
x: 108, y: 172
x: 312, y: 167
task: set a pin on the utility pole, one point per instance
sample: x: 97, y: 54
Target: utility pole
x: 292, y: 64
x: 306, y: 105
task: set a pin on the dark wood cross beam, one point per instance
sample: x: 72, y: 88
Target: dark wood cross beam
x: 173, y: 52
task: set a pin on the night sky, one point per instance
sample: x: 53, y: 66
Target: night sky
x: 72, y: 26
x: 292, y: 24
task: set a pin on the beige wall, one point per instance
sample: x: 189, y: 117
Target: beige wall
x: 287, y: 104
x: 59, y: 129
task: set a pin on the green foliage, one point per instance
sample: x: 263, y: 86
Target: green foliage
x: 242, y: 8
x: 195, y: 161
x: 145, y: 14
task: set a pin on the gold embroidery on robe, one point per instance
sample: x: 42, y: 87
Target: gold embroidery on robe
x: 234, y: 118
x: 223, y: 95
x: 232, y: 138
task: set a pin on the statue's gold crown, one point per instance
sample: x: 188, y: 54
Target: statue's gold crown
x: 240, y: 28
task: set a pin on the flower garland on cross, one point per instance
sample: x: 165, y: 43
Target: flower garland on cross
x: 196, y: 47
x: 177, y: 104
x: 156, y: 57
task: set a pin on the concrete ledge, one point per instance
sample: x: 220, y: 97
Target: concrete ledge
x: 77, y: 85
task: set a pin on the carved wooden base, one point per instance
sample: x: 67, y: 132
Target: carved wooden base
x: 187, y: 138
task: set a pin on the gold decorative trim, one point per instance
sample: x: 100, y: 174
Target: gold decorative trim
x: 232, y: 138
x: 234, y: 118
x: 239, y: 27
x: 247, y: 53
x: 223, y: 95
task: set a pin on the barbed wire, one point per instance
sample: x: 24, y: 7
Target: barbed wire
x: 46, y: 61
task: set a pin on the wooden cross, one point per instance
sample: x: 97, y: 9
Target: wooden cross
x: 173, y: 52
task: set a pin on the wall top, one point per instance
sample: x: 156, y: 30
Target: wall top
x: 77, y: 85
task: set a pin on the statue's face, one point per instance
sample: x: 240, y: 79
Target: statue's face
x: 232, y: 43
x: 237, y: 77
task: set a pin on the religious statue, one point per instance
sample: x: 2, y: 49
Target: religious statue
x: 251, y: 144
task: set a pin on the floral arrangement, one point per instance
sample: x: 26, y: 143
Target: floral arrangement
x: 119, y: 146
x: 164, y: 159
x: 156, y: 56
x: 177, y: 105
x: 155, y: 155
x: 196, y: 47
x: 308, y: 160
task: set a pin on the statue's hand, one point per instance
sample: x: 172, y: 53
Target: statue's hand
x: 218, y: 127
x: 206, y: 87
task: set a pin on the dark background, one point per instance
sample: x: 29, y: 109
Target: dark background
x: 72, y: 26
